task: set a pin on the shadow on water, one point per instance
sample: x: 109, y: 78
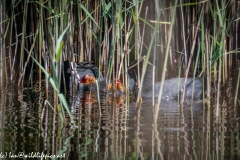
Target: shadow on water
x: 122, y: 131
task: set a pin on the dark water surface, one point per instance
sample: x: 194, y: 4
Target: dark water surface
x: 122, y: 131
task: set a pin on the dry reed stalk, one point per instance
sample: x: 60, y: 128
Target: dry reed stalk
x: 136, y: 41
x: 145, y: 64
x: 118, y: 17
x: 26, y: 63
x: 125, y: 54
x: 165, y: 63
x: 105, y: 48
x: 207, y: 38
x: 236, y: 98
x: 226, y: 64
x: 10, y: 48
x: 143, y: 33
x: 190, y: 59
x: 70, y: 52
x: 80, y: 35
x: 15, y: 52
x: 2, y: 39
x: 183, y: 33
x: 25, y: 11
x: 218, y: 90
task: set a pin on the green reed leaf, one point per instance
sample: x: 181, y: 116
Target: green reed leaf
x: 64, y: 102
x: 89, y: 15
x: 53, y: 83
x: 60, y: 112
x: 59, y: 44
x: 106, y: 9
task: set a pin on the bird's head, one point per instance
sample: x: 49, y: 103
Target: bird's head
x: 120, y: 85
x: 87, y: 79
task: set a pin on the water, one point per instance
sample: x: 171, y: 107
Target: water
x: 30, y: 128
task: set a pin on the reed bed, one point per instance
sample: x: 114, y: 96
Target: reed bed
x: 178, y: 38
x: 201, y: 38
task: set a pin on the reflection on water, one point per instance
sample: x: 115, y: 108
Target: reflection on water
x: 122, y: 131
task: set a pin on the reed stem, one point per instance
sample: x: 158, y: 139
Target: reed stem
x: 165, y: 62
